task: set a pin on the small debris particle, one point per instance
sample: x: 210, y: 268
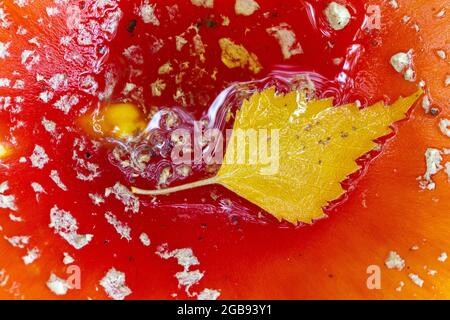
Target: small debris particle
x: 225, y: 21
x: 180, y: 42
x: 432, y: 273
x: 158, y: 87
x: 235, y: 56
x: 131, y: 26
x: 164, y: 176
x: 165, y: 68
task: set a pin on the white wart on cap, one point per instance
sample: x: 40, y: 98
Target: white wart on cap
x: 337, y: 15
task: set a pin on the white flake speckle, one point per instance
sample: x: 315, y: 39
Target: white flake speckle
x: 7, y: 201
x: 57, y: 285
x: 19, y: 84
x: 426, y: 104
x: 39, y: 158
x: 18, y: 241
x: 134, y: 54
x: 441, y: 13
x: 416, y: 279
x: 48, y: 125
x: 68, y: 259
x: 5, y: 83
x: 147, y: 13
x: 114, y: 285
x: 400, y: 286
x: 52, y: 11
x: 441, y: 54
x: 123, y: 194
x: 29, y: 58
x: 15, y: 218
x: 203, y: 3
x: 400, y: 61
x: 394, y: 261
x: 187, y: 279
x: 208, y: 294
x: 38, y: 189
x: 54, y: 175
x: 393, y: 4
x: 31, y: 256
x: 186, y: 259
x: 286, y: 39
x: 444, y: 126
x: 66, y: 102
x: 337, y: 15
x: 58, y: 81
x: 96, y: 199
x: 245, y: 7
x: 433, y: 162
x: 443, y: 257
x: 145, y: 239
x: 185, y: 256
x: 409, y: 75
x: 46, y: 96
x: 121, y: 228
x: 4, y: 19
x: 66, y: 226
x: 4, y: 49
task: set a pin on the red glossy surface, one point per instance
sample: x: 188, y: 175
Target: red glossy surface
x: 242, y: 255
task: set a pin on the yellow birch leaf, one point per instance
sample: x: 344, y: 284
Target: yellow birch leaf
x: 316, y: 146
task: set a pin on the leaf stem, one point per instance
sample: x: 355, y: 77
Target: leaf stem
x: 183, y: 187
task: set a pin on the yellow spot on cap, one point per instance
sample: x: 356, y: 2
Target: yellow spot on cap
x: 120, y: 121
x: 4, y: 151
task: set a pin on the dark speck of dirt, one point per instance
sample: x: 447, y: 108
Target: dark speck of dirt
x: 131, y: 26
